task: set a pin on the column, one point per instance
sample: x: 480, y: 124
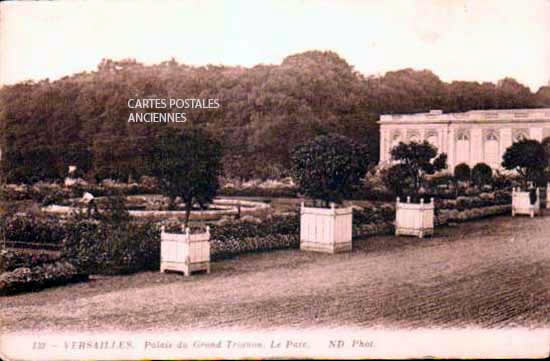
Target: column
x: 476, y: 146
x: 505, y: 140
x: 449, y: 136
x: 382, y: 145
x: 385, y: 144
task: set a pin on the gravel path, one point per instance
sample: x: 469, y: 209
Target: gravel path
x: 489, y: 273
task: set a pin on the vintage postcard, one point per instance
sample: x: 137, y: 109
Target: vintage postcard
x: 274, y: 179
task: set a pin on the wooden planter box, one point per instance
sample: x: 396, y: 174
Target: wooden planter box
x: 414, y: 219
x: 521, y: 203
x: 185, y: 252
x: 325, y: 229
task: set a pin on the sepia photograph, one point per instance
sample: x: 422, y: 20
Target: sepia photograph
x: 275, y: 179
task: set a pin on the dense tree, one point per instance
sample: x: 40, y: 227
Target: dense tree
x: 546, y: 146
x: 265, y: 111
x: 462, y: 172
x: 419, y: 159
x: 187, y: 165
x: 482, y: 174
x: 397, y: 179
x: 528, y: 158
x: 329, y: 167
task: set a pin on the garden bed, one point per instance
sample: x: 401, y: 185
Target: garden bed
x: 26, y: 272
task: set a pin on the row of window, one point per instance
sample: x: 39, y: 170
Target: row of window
x: 462, y: 136
x: 491, y: 148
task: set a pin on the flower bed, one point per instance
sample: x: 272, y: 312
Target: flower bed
x: 52, y: 193
x: 234, y: 238
x: 373, y: 220
x: 10, y: 259
x: 446, y: 216
x: 282, y: 192
x: 25, y: 279
x: 464, y: 209
x: 101, y: 248
x: 24, y: 272
x: 29, y: 231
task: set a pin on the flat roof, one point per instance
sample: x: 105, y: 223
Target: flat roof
x: 472, y: 116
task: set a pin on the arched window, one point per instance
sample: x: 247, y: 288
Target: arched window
x: 463, y: 148
x: 395, y: 139
x: 463, y: 136
x: 433, y: 139
x: 414, y: 137
x: 491, y: 150
x: 520, y: 134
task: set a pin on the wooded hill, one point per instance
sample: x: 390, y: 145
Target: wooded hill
x: 264, y: 112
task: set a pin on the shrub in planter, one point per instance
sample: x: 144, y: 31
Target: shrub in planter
x: 417, y: 159
x: 185, y: 252
x: 526, y: 202
x: 528, y: 158
x: 188, y: 165
x: 328, y: 169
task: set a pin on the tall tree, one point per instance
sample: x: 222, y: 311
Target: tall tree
x: 187, y: 164
x: 329, y: 167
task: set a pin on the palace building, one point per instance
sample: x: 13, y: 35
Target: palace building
x: 470, y: 137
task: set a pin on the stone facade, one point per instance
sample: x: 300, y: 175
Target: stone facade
x: 470, y: 137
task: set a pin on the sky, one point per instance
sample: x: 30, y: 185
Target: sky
x: 476, y: 40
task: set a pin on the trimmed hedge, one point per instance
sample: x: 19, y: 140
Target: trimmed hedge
x: 25, y: 279
x: 33, y: 230
x: 121, y: 189
x: 461, y: 203
x: 286, y: 192
x: 374, y: 215
x: 234, y: 238
x: 103, y: 248
x: 52, y: 193
x: 248, y: 229
x: 232, y: 247
x: 371, y: 229
x: 36, y: 192
x: 10, y: 260
x: 454, y: 215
